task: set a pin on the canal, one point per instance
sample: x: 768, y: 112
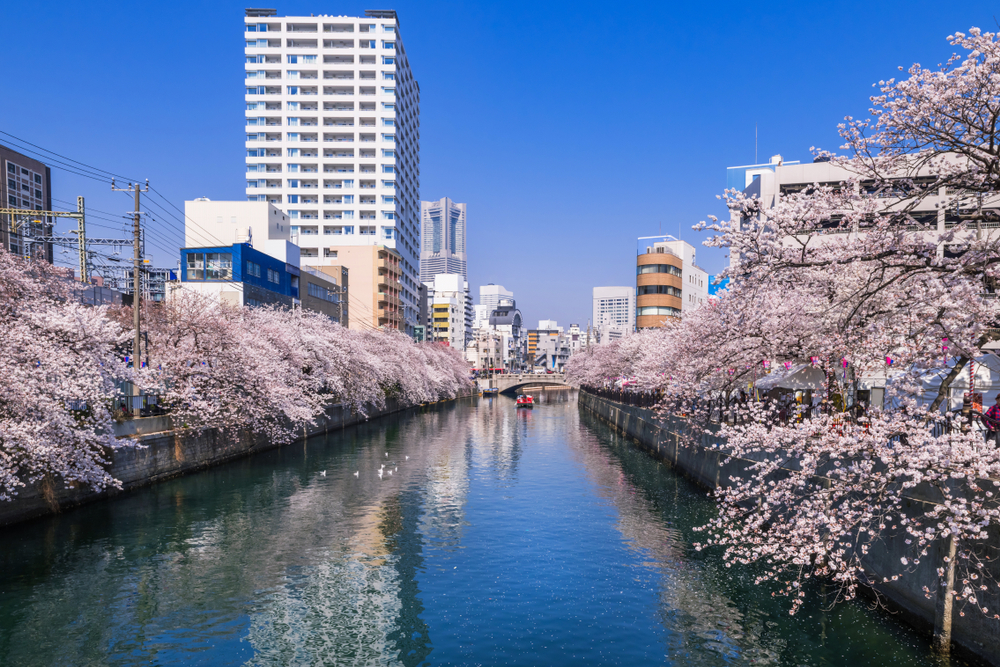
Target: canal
x: 501, y: 537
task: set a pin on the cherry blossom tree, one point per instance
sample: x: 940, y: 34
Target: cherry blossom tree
x: 59, y: 374
x: 272, y: 370
x: 853, y: 279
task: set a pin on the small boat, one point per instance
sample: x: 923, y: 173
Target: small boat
x: 491, y: 391
x: 524, y: 401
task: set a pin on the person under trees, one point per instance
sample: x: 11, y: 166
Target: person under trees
x: 847, y: 276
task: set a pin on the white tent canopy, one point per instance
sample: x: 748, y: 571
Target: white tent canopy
x: 987, y: 381
x: 797, y: 377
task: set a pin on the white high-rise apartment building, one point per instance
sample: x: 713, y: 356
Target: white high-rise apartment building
x: 333, y: 135
x: 614, y: 309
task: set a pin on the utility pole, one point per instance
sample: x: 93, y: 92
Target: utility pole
x: 136, y: 267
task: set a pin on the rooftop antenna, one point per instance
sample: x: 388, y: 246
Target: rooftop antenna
x: 755, y: 143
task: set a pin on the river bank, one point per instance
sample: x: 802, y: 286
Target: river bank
x: 972, y: 633
x: 166, y: 451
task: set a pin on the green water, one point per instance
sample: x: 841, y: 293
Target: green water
x: 506, y: 537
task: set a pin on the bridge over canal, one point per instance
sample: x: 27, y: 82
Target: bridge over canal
x: 512, y: 383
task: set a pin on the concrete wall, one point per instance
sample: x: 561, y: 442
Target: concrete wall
x: 165, y: 452
x: 974, y: 633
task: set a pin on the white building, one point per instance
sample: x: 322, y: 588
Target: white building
x: 614, y: 311
x: 490, y: 295
x: 480, y: 317
x: 447, y: 296
x: 937, y: 212
x: 333, y: 135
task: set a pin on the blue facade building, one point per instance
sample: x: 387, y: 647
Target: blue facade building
x: 241, y: 275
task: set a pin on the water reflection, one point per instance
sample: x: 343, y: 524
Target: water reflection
x: 502, y: 535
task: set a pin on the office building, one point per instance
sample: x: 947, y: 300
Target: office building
x: 446, y: 296
x: 613, y: 312
x: 442, y: 239
x: 490, y: 295
x: 935, y: 212
x: 668, y: 280
x: 26, y: 185
x: 257, y: 228
x: 333, y: 140
x: 548, y: 347
x: 505, y: 319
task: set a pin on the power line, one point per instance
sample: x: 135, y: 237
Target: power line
x: 82, y: 164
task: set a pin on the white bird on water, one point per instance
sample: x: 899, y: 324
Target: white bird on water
x: 322, y: 473
x: 356, y: 473
x: 390, y: 472
x: 397, y: 468
x: 407, y: 458
x: 387, y: 455
x: 380, y: 473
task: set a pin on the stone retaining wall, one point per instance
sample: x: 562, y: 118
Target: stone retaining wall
x: 165, y: 452
x: 973, y: 633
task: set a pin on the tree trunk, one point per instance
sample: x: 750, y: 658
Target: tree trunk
x: 944, y: 607
x: 946, y: 383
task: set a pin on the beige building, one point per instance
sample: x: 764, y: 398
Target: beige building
x: 374, y: 292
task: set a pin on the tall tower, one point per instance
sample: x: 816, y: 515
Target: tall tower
x: 333, y: 140
x: 442, y: 248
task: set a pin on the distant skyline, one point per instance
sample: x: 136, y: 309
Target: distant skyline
x: 569, y: 132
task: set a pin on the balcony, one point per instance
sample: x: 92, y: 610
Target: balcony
x: 388, y: 299
x: 301, y: 43
x: 338, y: 43
x: 338, y: 90
x: 338, y: 27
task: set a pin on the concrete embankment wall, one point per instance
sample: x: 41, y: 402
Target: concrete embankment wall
x: 974, y: 633
x: 165, y: 452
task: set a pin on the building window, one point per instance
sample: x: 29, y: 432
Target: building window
x: 389, y: 76
x: 328, y: 252
x: 38, y: 179
x: 348, y: 229
x: 11, y: 168
x: 218, y: 266
x: 389, y: 184
x: 388, y: 152
x: 323, y: 293
x: 388, y: 60
x: 387, y: 232
x: 388, y: 45
x: 195, y: 266
x: 387, y: 199
x: 388, y: 106
x: 388, y: 169
x: 367, y: 230
x: 253, y: 269
x: 388, y: 91
x: 658, y: 268
x: 273, y: 277
x: 389, y: 122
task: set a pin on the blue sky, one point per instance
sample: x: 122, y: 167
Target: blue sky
x: 570, y: 129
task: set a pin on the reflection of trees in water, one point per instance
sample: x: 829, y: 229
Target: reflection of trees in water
x: 704, y: 624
